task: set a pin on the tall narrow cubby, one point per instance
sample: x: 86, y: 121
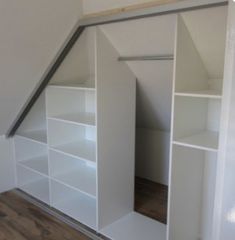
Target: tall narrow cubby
x: 195, y: 142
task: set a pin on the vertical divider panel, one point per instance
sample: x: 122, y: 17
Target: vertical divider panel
x: 172, y: 132
x: 186, y: 164
x: 116, y: 89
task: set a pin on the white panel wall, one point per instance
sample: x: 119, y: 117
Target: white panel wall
x: 7, y: 166
x: 31, y: 34
x: 152, y: 154
x: 227, y: 224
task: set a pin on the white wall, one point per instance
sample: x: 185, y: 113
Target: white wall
x: 7, y: 166
x: 152, y: 154
x: 227, y: 215
x: 31, y: 34
x: 91, y: 6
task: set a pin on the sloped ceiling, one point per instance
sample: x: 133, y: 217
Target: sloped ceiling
x: 208, y: 31
x: 31, y: 34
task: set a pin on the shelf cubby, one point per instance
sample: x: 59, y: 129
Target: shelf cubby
x: 61, y: 105
x: 34, y: 125
x: 198, y: 128
x: 73, y: 172
x: 74, y: 204
x: 78, y: 68
x: 31, y: 154
x: 77, y: 141
x: 193, y: 191
x: 33, y: 183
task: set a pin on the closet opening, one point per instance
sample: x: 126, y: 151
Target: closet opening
x: 147, y: 47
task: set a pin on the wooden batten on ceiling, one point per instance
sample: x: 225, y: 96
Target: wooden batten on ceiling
x: 129, y: 8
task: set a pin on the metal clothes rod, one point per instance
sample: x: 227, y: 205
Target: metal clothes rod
x: 147, y: 58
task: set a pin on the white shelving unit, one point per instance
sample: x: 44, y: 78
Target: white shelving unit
x: 75, y: 151
x: 66, y: 150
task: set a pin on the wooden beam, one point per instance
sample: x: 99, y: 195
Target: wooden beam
x: 130, y: 8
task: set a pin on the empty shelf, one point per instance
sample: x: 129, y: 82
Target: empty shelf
x: 38, y: 189
x: 38, y: 164
x: 78, y: 118
x: 82, y: 86
x: 201, y: 94
x: 35, y: 135
x: 74, y: 204
x: 135, y: 226
x: 205, y: 141
x: 83, y: 179
x: 85, y: 149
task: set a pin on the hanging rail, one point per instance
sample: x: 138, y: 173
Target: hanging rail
x: 186, y: 5
x: 166, y: 57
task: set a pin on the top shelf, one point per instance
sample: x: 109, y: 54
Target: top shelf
x: 214, y: 94
x: 82, y: 86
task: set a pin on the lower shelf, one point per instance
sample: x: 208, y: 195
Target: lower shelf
x: 73, y: 203
x: 207, y: 140
x: 135, y: 226
x: 33, y: 184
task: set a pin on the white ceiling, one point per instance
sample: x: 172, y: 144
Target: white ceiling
x: 208, y: 31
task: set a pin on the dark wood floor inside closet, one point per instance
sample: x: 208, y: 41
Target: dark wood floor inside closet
x: 21, y: 220
x: 151, y: 199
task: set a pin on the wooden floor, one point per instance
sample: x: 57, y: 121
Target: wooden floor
x: 20, y: 220
x: 151, y: 199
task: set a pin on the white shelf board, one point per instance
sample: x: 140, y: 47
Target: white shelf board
x: 38, y: 164
x: 81, y: 86
x: 82, y: 208
x: 86, y: 119
x: 135, y: 226
x: 35, y: 135
x: 82, y: 179
x: 201, y: 94
x: 38, y: 189
x: 207, y: 140
x: 85, y: 150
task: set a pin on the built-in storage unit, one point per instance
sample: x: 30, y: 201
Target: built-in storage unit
x: 66, y: 149
x: 77, y: 148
